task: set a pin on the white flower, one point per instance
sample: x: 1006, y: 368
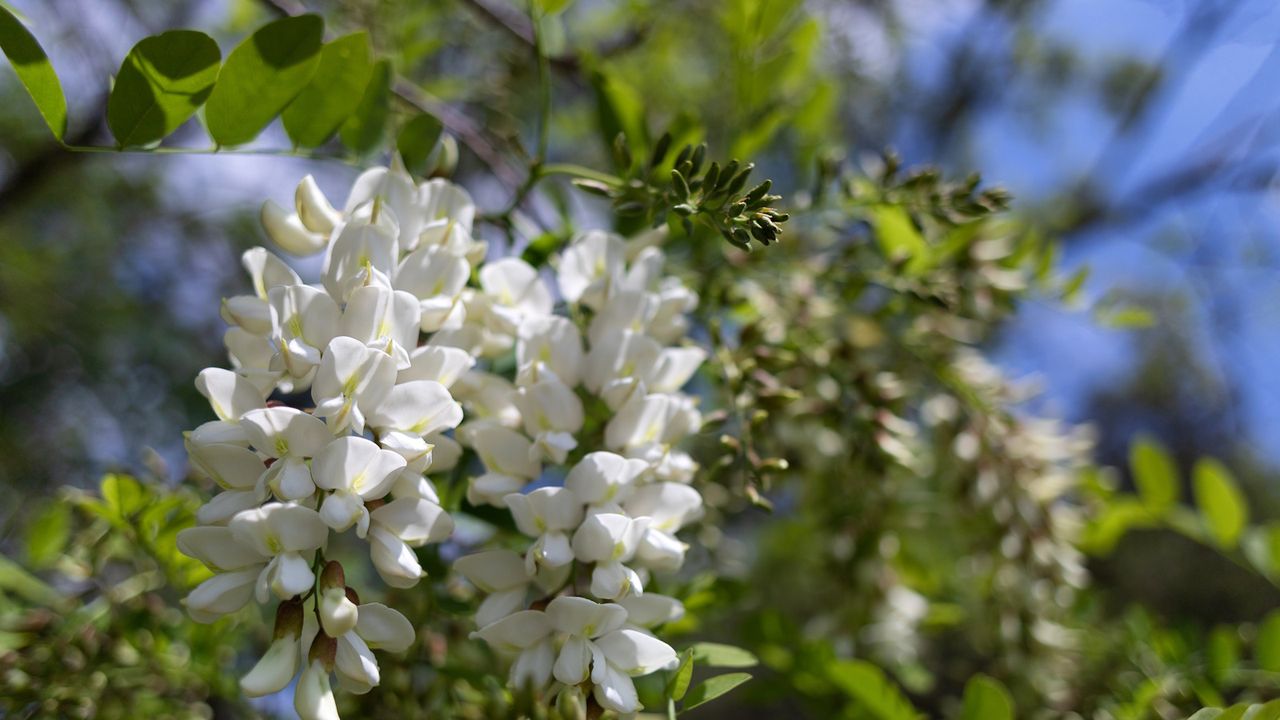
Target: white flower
x: 626, y: 654
x: 650, y: 610
x: 591, y: 267
x: 527, y: 635
x: 383, y: 319
x: 251, y: 356
x: 546, y: 514
x: 230, y: 395
x: 515, y: 292
x: 436, y: 278
x: 355, y: 470
x: 488, y: 397
x: 502, y: 574
x: 506, y: 457
x: 291, y: 437
x: 351, y: 381
x: 609, y: 540
x: 313, y: 698
x: 583, y: 621
x: 448, y: 214
x: 303, y: 321
x: 444, y: 365
x: 549, y: 344
x: 363, y: 254
x: 397, y: 527
x: 278, y: 665
x: 289, y: 535
x: 669, y: 506
x: 267, y: 272
x: 552, y: 413
x: 393, y: 190
x: 603, y: 479
x: 411, y: 411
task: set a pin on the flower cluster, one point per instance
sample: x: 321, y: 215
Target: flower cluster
x: 596, y: 392
x: 328, y: 422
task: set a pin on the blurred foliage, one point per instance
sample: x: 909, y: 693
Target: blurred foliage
x: 903, y: 537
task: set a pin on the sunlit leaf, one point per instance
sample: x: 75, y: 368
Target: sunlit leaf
x: 34, y: 71
x: 1154, y: 474
x: 713, y: 688
x: 985, y: 698
x: 1222, y: 505
x: 899, y: 238
x: 1267, y: 648
x: 48, y: 533
x: 679, y: 684
x: 870, y: 691
x: 723, y: 656
x: 163, y: 81
x: 334, y: 92
x: 261, y: 76
x: 363, y: 130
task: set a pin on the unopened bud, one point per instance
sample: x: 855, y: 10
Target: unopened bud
x: 286, y: 230
x: 338, y: 615
x: 571, y: 704
x: 313, y: 698
x: 314, y: 210
x: 288, y: 619
x: 324, y: 649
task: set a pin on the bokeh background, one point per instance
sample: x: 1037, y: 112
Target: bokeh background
x: 1143, y: 134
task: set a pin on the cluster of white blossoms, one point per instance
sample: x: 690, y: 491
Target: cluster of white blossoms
x: 359, y: 421
x: 367, y: 365
x: 572, y: 610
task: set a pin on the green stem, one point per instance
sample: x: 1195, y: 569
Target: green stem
x: 586, y: 173
x: 274, y: 152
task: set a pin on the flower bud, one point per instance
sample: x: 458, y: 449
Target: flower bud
x: 338, y: 614
x: 286, y: 231
x: 571, y: 704
x: 314, y: 210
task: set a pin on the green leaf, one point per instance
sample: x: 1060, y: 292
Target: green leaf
x: 1154, y: 474
x: 1267, y: 649
x: 417, y: 139
x: 1072, y: 287
x: 122, y: 494
x: 1131, y: 317
x: 16, y: 580
x: 334, y: 92
x: 899, y: 238
x: 679, y: 684
x: 47, y: 535
x: 551, y: 7
x: 1223, y: 652
x: 163, y: 81
x: 363, y: 130
x: 34, y: 71
x: 985, y: 698
x: 1222, y: 505
x: 713, y: 688
x: 722, y: 656
x: 1267, y: 711
x: 872, y: 692
x: 261, y: 76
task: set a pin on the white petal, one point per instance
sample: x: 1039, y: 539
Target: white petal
x: 290, y: 479
x: 669, y: 505
x: 606, y: 537
x: 499, y: 605
x: 490, y: 488
x: 280, y: 431
x: 414, y: 521
x: 516, y: 631
x: 493, y: 570
x: 635, y: 652
x: 313, y: 698
x: 342, y: 509
x: 602, y: 477
x: 356, y: 465
x: 615, y: 691
x: 384, y: 629
x: 277, y: 528
x: 585, y: 618
x: 338, y: 615
x: 218, y: 548
x: 230, y: 395
x: 230, y: 466
x: 355, y: 660
x: 532, y: 667
x: 651, y: 609
x: 227, y: 504
x: 273, y: 672
x: 267, y: 271
x: 289, y: 575
x: 418, y: 407
x: 441, y: 364
x: 393, y: 559
x: 221, y: 594
x: 573, y: 662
